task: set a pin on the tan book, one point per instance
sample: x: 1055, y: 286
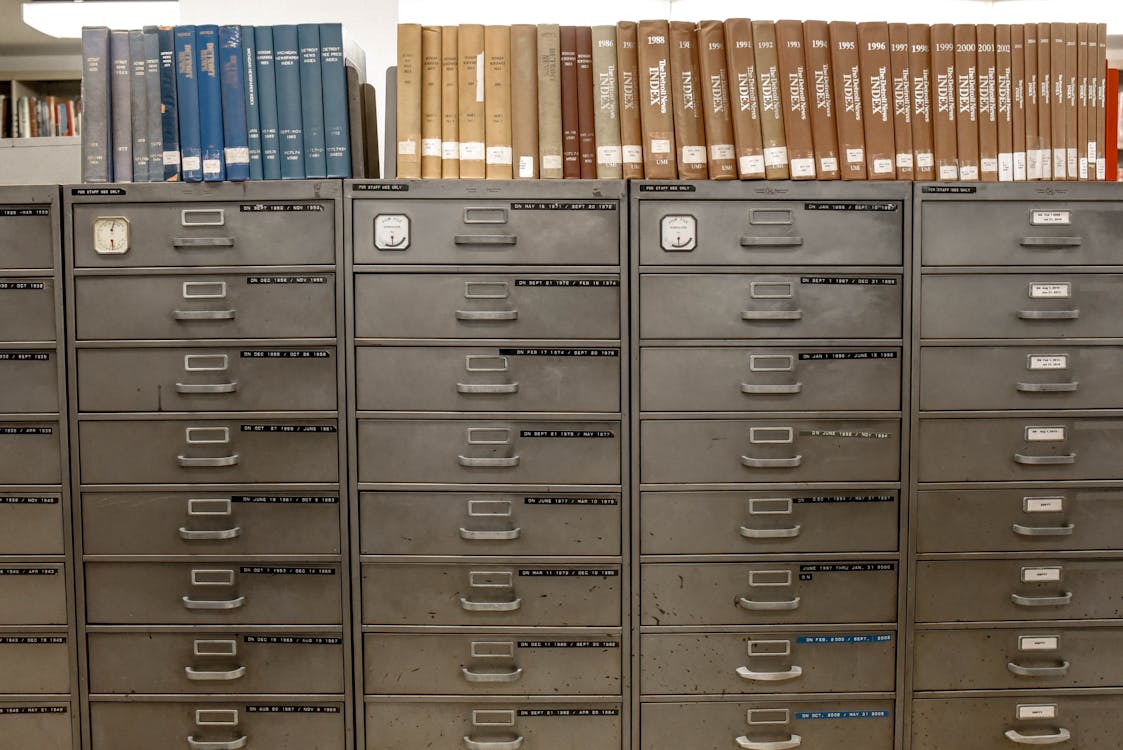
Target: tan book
x: 1101, y: 106
x: 1082, y: 101
x: 1033, y: 141
x: 1045, y: 99
x: 1059, y: 77
x: 450, y: 104
x: 740, y: 57
x: 847, y: 76
x: 656, y: 116
x: 716, y: 115
x: 820, y: 91
x: 470, y: 43
x: 686, y: 101
x: 902, y: 99
x: 570, y: 115
x: 1018, y: 100
x: 607, y: 112
x: 431, y: 102
x: 920, y: 73
x: 497, y: 102
x: 586, y: 104
x: 549, y: 102
x: 793, y: 96
x: 877, y: 97
x: 987, y: 97
x: 966, y: 102
x: 409, y: 101
x: 628, y: 93
x: 524, y: 101
x: 945, y: 141
x: 1072, y: 160
x: 771, y: 106
x: 1004, y: 71
x: 1093, y: 97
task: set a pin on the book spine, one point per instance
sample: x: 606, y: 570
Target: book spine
x: 430, y: 102
x: 771, y: 105
x: 1033, y: 140
x: 357, y: 146
x: 966, y: 99
x: 874, y: 61
x: 120, y: 107
x: 153, y: 109
x: 1072, y: 160
x: 607, y: 111
x: 902, y: 100
x: 470, y: 45
x: 290, y: 127
x: 1045, y: 99
x: 550, y: 148
x: 1082, y: 101
x: 985, y: 62
x: 138, y: 90
x: 524, y: 101
x: 571, y: 127
x: 793, y: 97
x: 656, y: 115
x: 1003, y: 71
x: 210, y: 103
x: 1059, y: 76
x: 716, y: 114
x: 631, y: 131
x: 187, y: 91
x: 586, y: 104
x: 370, y: 131
x: 253, y: 113
x: 235, y: 135
x: 450, y: 105
x: 312, y: 100
x: 1111, y: 121
x: 169, y: 105
x: 97, y: 146
x: 1103, y: 152
x: 497, y: 102
x: 686, y: 105
x: 824, y: 129
x: 1092, y: 98
x: 1018, y: 101
x: 267, y: 103
x: 847, y: 76
x: 740, y: 60
x: 920, y: 89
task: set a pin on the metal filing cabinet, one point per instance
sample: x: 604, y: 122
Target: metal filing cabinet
x: 206, y: 399
x: 1017, y: 557
x: 38, y: 661
x: 768, y: 322
x: 489, y: 369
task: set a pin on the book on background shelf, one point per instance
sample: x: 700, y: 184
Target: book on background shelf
x: 1108, y: 82
x: 1003, y: 72
x: 901, y: 95
x: 986, y: 97
x: 1072, y: 161
x: 121, y: 104
x: 253, y: 109
x: 1081, y: 139
x: 1018, y: 102
x: 550, y: 130
x: 187, y: 91
x: 1030, y: 88
x: 155, y: 125
x: 267, y: 103
x: 409, y: 101
x: 1058, y: 76
x: 290, y: 123
x: 1044, y: 101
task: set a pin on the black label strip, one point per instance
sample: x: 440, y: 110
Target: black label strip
x: 848, y: 280
x: 292, y: 709
x: 27, y: 430
x: 854, y: 567
x: 822, y: 500
x: 569, y: 644
x: 571, y: 712
x: 568, y: 572
x: 264, y: 570
x: 287, y: 280
x: 850, y: 206
x: 22, y: 285
x: 38, y: 640
x: 374, y: 187
x: 563, y: 206
x: 567, y: 434
x: 29, y: 571
x: 847, y: 434
x: 293, y: 640
x: 571, y: 501
x: 11, y: 710
x: 97, y: 191
x: 12, y: 500
x: 568, y: 282
x: 289, y: 428
x: 816, y: 356
x: 25, y: 356
x: 270, y: 208
x: 284, y: 500
x: 668, y: 188
x: 8, y: 213
x: 560, y: 352
x: 949, y: 189
x: 285, y: 354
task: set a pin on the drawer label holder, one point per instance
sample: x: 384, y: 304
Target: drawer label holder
x: 294, y: 640
x: 571, y: 501
x: 278, y: 571
x: 12, y: 500
x: 285, y: 354
x: 823, y: 499
x: 568, y: 572
x: 10, y: 710
x: 841, y: 715
x: 25, y: 356
x: 7, y: 213
x: 563, y: 206
x: 568, y: 712
x: 569, y: 644
x: 537, y: 352
x: 567, y: 434
x: 35, y: 640
x: 851, y: 206
x: 273, y: 208
x: 293, y: 709
x: 835, y: 640
x: 818, y: 356
x: 284, y: 500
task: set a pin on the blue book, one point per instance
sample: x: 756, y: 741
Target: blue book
x: 139, y: 105
x: 231, y: 72
x: 253, y: 117
x: 267, y: 103
x: 169, y: 105
x: 290, y: 122
x: 187, y: 91
x: 120, y: 106
x: 210, y: 103
x: 97, y: 135
x: 312, y: 100
x: 337, y: 131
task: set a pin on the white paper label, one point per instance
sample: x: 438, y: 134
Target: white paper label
x: 969, y: 173
x: 632, y: 154
x: 924, y: 160
x: 1101, y: 168
x: 694, y: 154
x: 450, y: 150
x: 472, y: 151
x: 1050, y: 218
x: 1092, y: 154
x: 828, y: 164
x: 777, y: 156
x: 988, y: 164
x: 1072, y: 161
x: 803, y: 167
x: 526, y: 166
x: 1041, y: 575
x: 608, y: 156
x: 212, y: 166
x: 1045, y: 434
x: 1082, y: 167
x: 948, y: 172
x: 1043, y: 504
x: 407, y: 148
x: 752, y: 164
x: 855, y: 155
x: 191, y: 163
x: 1048, y: 361
x: 171, y: 158
x: 904, y: 161
x: 1005, y: 167
x: 237, y: 155
x: 480, y: 77
x: 1057, y: 290
x: 431, y: 147
x: 1037, y: 712
x: 722, y: 151
x: 499, y: 155
x: 1044, y: 165
x: 1020, y: 166
x: 882, y: 166
x: 1033, y: 166
x: 1038, y: 643
x: 660, y: 146
x: 1059, y: 164
x: 551, y: 161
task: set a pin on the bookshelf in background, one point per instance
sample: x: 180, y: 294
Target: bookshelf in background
x: 40, y: 105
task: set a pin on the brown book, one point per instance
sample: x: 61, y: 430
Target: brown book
x: 586, y: 104
x: 571, y: 123
x: 902, y: 99
x: 370, y: 131
x: 741, y: 61
x: 549, y: 102
x: 1003, y: 72
x: 920, y: 73
x: 354, y: 121
x: 1092, y: 97
x: 847, y: 75
x: 1045, y: 99
x: 1101, y: 106
x: 497, y: 101
x: 656, y: 116
x: 793, y: 96
x: 873, y: 58
x: 945, y: 141
x: 771, y: 106
x: 1072, y: 161
x: 1033, y: 141
x: 470, y: 43
x: 987, y: 102
x: 820, y: 90
x: 450, y: 104
x: 1082, y: 101
x: 715, y: 101
x: 1018, y: 100
x: 524, y: 101
x: 431, y: 102
x: 607, y: 106
x: 686, y: 101
x: 1059, y: 76
x: 409, y: 101
x: 628, y: 91
x: 966, y: 102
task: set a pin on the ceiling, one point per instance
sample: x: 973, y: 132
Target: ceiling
x: 16, y: 38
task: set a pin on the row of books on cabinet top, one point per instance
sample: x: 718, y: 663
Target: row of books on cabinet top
x: 744, y: 99
x: 39, y: 117
x: 213, y: 103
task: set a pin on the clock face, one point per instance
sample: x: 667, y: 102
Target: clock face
x: 391, y: 232
x: 111, y: 235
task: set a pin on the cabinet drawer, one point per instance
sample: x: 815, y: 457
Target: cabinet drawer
x: 30, y: 452
x: 1088, y: 722
x: 748, y: 523
x: 211, y: 379
x: 1018, y: 520
x: 209, y: 523
x: 507, y: 452
x: 536, y: 663
x: 494, y: 726
x: 223, y: 662
x: 27, y: 309
x: 33, y: 594
x: 526, y: 594
x: 269, y: 233
x: 491, y: 523
x: 768, y: 662
x: 30, y: 378
x: 770, y: 379
x: 34, y: 663
x: 213, y: 592
x: 487, y: 306
x: 769, y: 593
x: 263, y: 724
x: 31, y: 525
x: 209, y: 450
x: 459, y: 232
x: 1018, y: 449
x: 407, y: 378
x: 1031, y: 656
x: 767, y: 725
x: 205, y: 306
x: 773, y: 306
x: 780, y: 450
x: 43, y: 726
x: 26, y: 239
x: 1024, y: 589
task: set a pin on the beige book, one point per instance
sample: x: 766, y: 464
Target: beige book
x: 715, y: 101
x: 628, y: 90
x: 1072, y: 161
x: 792, y: 72
x: 686, y: 103
x: 1082, y: 101
x: 1101, y: 106
x: 1045, y: 99
x: 987, y: 102
x: 1033, y: 140
x: 549, y: 102
x: 877, y: 112
x: 771, y: 105
x: 524, y: 101
x: 945, y: 142
x: 450, y: 104
x: 431, y: 102
x: 740, y: 58
x: 409, y: 101
x: 920, y: 91
x: 1018, y: 100
x: 820, y: 93
x: 606, y: 112
x: 902, y: 99
x: 497, y: 102
x: 656, y: 116
x: 847, y: 75
x: 470, y: 43
x: 966, y: 101
x: 1059, y: 77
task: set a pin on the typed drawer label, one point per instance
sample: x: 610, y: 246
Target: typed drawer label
x: 1039, y: 218
x: 1045, y: 434
x: 1050, y: 290
x: 1038, y: 643
x: 1048, y: 361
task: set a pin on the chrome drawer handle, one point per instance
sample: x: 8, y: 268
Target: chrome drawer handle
x: 191, y: 535
x: 1048, y: 242
x: 1058, y: 671
x: 192, y: 242
x: 204, y: 314
x: 471, y: 676
x: 792, y: 742
x: 772, y: 315
x: 771, y: 463
x: 485, y: 239
x: 1066, y: 458
x: 788, y: 533
x: 237, y: 744
x: 202, y: 463
x: 754, y: 606
x: 747, y: 241
x: 1065, y: 530
x: 514, y: 744
x: 1048, y: 387
x: 204, y: 676
x: 1061, y: 735
x: 747, y: 674
x: 489, y: 389
x: 487, y: 314
x: 206, y: 388
x: 1042, y: 601
x: 475, y: 535
x: 470, y: 606
x: 488, y: 463
x: 210, y: 605
x: 1049, y: 314
x: 751, y: 389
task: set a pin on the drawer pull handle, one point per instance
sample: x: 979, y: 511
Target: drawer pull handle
x: 1049, y: 314
x: 771, y: 463
x: 207, y: 388
x: 205, y: 463
x: 772, y: 315
x: 1065, y: 530
x: 491, y: 389
x: 754, y: 606
x: 752, y: 389
x: 237, y: 744
x: 1048, y: 387
x: 187, y: 243
x: 204, y: 314
x: 493, y: 240
x: 212, y: 605
x: 488, y: 463
x: 1066, y: 458
x: 788, y: 533
x: 1042, y: 601
x: 747, y: 674
x: 792, y: 742
x: 470, y: 606
x: 1048, y: 242
x: 514, y: 744
x: 1058, y: 671
x: 471, y: 676
x: 750, y: 241
x: 487, y: 315
x: 490, y: 536
x: 209, y: 536
x: 199, y: 675
x: 1061, y: 735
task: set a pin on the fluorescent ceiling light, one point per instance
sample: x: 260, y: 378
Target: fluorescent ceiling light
x: 66, y: 19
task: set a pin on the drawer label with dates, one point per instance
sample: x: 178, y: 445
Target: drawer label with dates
x: 816, y: 356
x: 524, y: 352
x: 294, y: 640
x: 820, y: 499
x: 7, y: 213
x: 257, y: 569
x: 9, y: 710
x: 289, y: 428
x: 568, y: 573
x: 848, y: 280
x: 284, y: 500
x: 567, y: 434
x: 571, y: 501
x: 832, y: 640
x: 1045, y: 434
x: 293, y: 709
x: 569, y: 644
x: 569, y: 712
x: 581, y: 283
x: 24, y: 356
x: 1048, y: 361
x: 29, y: 501
x: 841, y: 715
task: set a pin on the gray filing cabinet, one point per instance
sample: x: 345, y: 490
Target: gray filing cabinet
x: 1016, y: 501
x: 489, y: 371
x: 206, y: 392
x: 769, y: 321
x: 38, y: 663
